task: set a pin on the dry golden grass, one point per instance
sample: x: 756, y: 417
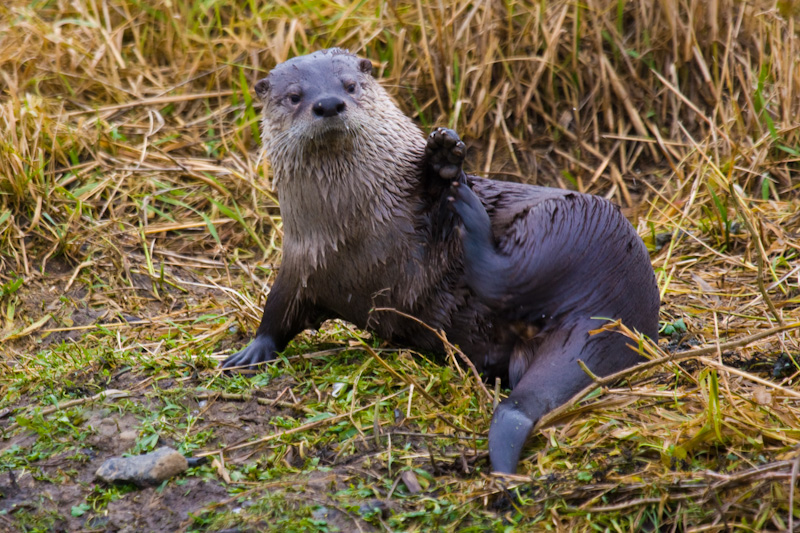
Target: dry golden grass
x: 129, y: 152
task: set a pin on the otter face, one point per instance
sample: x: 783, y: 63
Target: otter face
x: 315, y: 95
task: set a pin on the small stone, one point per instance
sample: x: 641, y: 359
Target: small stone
x: 320, y: 513
x: 108, y: 426
x: 127, y: 439
x: 411, y: 482
x: 143, y: 470
x: 373, y: 508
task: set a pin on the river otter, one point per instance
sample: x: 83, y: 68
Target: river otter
x: 375, y: 216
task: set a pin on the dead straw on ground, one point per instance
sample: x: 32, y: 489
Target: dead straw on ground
x: 129, y: 158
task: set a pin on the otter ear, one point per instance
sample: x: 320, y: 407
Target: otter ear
x: 262, y: 88
x: 365, y: 66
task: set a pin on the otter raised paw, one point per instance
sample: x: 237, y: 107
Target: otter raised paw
x: 445, y: 152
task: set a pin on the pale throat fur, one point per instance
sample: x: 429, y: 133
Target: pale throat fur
x: 347, y: 188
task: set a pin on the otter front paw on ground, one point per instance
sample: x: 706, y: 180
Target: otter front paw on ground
x: 261, y: 350
x: 445, y: 151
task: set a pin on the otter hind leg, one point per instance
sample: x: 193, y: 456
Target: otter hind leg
x: 521, y: 359
x: 552, y: 377
x: 486, y: 271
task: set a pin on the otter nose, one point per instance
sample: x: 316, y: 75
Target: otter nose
x: 328, y: 107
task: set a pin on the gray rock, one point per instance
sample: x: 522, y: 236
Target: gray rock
x: 143, y: 470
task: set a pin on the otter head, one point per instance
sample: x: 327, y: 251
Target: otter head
x: 317, y: 98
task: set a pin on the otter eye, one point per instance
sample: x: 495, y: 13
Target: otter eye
x: 294, y: 98
x: 350, y: 88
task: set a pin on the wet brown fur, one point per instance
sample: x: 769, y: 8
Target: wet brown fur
x: 367, y: 226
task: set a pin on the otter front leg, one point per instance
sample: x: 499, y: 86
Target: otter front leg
x: 284, y: 317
